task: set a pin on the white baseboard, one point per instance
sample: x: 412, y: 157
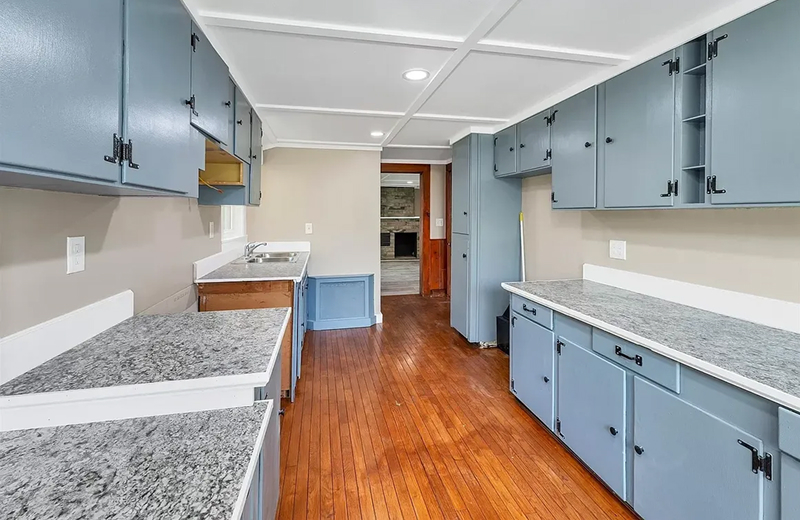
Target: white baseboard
x: 379, y: 318
x: 31, y: 347
x: 757, y: 309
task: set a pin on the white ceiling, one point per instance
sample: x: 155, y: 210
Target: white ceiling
x: 327, y: 73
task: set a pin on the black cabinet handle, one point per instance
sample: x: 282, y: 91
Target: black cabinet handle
x: 637, y: 358
x: 282, y: 411
x: 546, y: 379
x: 528, y: 309
x: 465, y: 213
x: 638, y: 449
x: 587, y: 144
x: 510, y: 148
x: 463, y: 255
x: 227, y: 103
x: 239, y: 122
x: 613, y: 431
x: 522, y: 145
x: 609, y: 140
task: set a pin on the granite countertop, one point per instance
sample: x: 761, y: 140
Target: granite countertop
x: 238, y: 271
x: 172, y: 466
x: 747, y: 351
x: 152, y: 349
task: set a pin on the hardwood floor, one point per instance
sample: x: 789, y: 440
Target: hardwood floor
x: 399, y: 277
x: 405, y: 420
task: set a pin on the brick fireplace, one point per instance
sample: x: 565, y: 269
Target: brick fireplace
x: 400, y: 220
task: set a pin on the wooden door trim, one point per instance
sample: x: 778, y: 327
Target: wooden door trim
x: 448, y: 215
x: 424, y: 170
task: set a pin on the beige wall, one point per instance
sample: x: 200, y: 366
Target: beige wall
x: 752, y: 250
x: 437, y: 200
x: 143, y: 244
x: 338, y: 191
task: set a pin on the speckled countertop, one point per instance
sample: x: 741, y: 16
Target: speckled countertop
x: 172, y: 466
x: 151, y: 349
x: 757, y: 353
x: 238, y: 271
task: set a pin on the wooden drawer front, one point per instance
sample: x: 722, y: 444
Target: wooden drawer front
x: 789, y: 432
x: 638, y: 359
x: 533, y: 311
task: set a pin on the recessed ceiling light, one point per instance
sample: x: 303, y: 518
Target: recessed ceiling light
x: 416, y: 74
x: 376, y: 133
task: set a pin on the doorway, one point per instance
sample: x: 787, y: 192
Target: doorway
x: 401, y: 233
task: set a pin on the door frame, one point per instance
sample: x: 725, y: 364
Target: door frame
x: 424, y: 171
x: 448, y: 215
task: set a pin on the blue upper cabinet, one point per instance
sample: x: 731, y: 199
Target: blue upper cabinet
x: 534, y: 143
x: 256, y: 157
x: 755, y: 116
x: 157, y: 93
x: 573, y: 133
x: 60, y: 87
x: 242, y: 136
x: 210, y: 89
x: 638, y: 137
x: 230, y: 114
x: 463, y: 163
x: 505, y: 152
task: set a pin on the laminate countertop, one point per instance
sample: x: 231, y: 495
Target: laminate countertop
x: 757, y: 358
x: 239, y: 271
x: 162, y: 348
x: 194, y: 465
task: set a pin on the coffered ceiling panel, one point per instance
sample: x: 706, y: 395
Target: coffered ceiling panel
x: 319, y: 72
x: 328, y: 128
x: 428, y: 133
x: 491, y: 85
x: 612, y: 26
x: 454, y: 18
x: 416, y: 155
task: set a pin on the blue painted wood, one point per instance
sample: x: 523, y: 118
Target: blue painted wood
x: 572, y: 330
x: 230, y: 196
x: 663, y: 371
x: 532, y: 367
x: 210, y: 88
x: 789, y: 432
x: 269, y: 468
x: 158, y: 83
x: 459, y: 284
x: 341, y: 302
x: 574, y: 163
x: 639, y: 122
x: 756, y: 160
x: 692, y: 465
x: 464, y: 161
x: 592, y: 409
x: 505, y: 152
x: 60, y: 87
x: 790, y: 489
x: 533, y: 311
x: 242, y: 136
x: 231, y: 115
x: 534, y: 142
x: 255, y: 160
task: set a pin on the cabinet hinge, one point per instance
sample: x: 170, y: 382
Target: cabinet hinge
x: 117, y: 151
x: 495, y: 168
x: 674, y: 66
x: 553, y: 117
x: 495, y: 141
x: 559, y: 344
x: 553, y: 197
x: 548, y: 121
x: 512, y: 385
x: 713, y: 47
x: 675, y: 188
x: 195, y: 39
x: 548, y: 154
x: 670, y: 186
x: 757, y: 462
x: 127, y: 155
x: 558, y: 427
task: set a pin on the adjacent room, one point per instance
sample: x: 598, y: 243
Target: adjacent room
x: 401, y: 233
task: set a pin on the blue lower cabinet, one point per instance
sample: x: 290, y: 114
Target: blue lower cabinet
x: 790, y: 488
x: 689, y: 464
x: 592, y: 411
x: 341, y: 302
x: 532, y: 356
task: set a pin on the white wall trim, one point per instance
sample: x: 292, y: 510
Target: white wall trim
x: 378, y: 318
x: 416, y: 161
x: 757, y: 309
x: 551, y: 53
x: 31, y: 347
x: 420, y: 146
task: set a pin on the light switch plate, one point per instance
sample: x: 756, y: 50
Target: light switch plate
x: 211, y: 229
x: 439, y: 222
x: 76, y: 254
x: 309, y: 228
x: 617, y: 249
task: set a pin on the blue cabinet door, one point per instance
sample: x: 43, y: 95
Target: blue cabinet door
x: 691, y: 463
x: 534, y: 142
x: 210, y: 89
x: 505, y: 152
x: 755, y: 116
x: 61, y: 86
x: 790, y: 485
x: 638, y: 140
x: 573, y: 134
x: 255, y: 161
x: 532, y: 355
x: 462, y: 164
x: 459, y: 284
x: 242, y: 135
x: 231, y: 115
x: 591, y: 412
x: 158, y: 86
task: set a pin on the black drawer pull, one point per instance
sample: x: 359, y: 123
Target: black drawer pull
x: 637, y: 358
x: 546, y: 379
x: 528, y: 309
x: 638, y: 449
x: 613, y: 431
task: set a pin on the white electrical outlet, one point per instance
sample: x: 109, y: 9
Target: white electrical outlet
x: 211, y: 229
x: 309, y: 228
x: 439, y: 222
x: 617, y: 249
x: 76, y: 254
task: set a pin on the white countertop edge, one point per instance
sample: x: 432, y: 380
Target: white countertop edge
x: 241, y: 499
x: 760, y: 389
x: 261, y: 279
x: 276, y: 350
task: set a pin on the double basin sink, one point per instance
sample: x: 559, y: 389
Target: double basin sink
x: 264, y: 258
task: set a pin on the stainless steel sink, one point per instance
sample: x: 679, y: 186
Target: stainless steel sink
x: 290, y: 256
x: 265, y: 258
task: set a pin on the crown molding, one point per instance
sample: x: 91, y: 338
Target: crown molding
x: 418, y: 146
x: 416, y: 161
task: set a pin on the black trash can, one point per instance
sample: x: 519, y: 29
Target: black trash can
x: 503, y: 331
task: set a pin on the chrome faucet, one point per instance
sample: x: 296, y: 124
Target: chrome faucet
x: 252, y: 246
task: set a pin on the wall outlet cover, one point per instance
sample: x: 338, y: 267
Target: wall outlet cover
x: 76, y: 254
x: 211, y: 229
x: 309, y: 228
x: 439, y: 222
x: 617, y: 249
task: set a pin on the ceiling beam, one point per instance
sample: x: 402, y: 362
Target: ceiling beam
x: 551, y: 53
x: 419, y: 146
x: 327, y: 110
x: 459, y: 119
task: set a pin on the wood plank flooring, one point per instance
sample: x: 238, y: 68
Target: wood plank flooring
x: 405, y: 420
x: 399, y: 277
